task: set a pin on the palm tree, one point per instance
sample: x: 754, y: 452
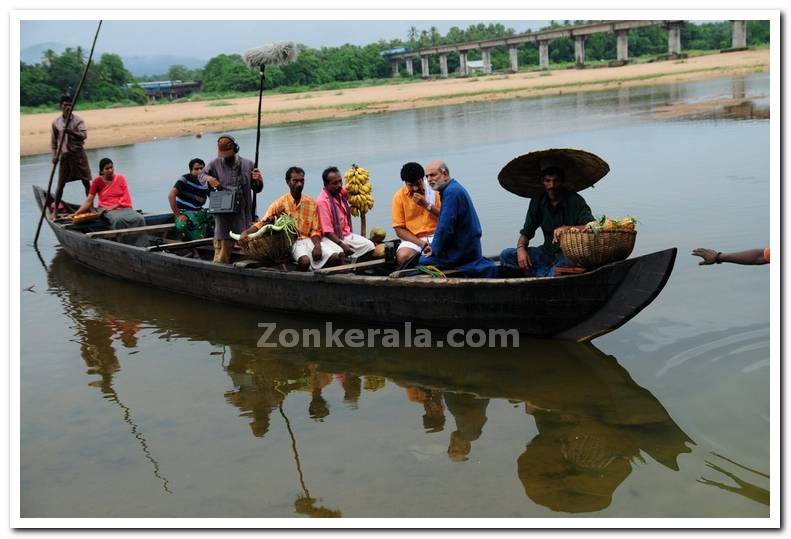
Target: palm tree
x: 436, y: 38
x: 412, y: 35
x: 48, y: 57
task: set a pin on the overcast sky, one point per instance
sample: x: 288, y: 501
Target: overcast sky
x: 205, y: 39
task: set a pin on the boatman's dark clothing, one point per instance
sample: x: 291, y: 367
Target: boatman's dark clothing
x: 572, y: 210
x: 457, y: 238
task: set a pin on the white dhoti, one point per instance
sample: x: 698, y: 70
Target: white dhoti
x: 413, y: 246
x: 360, y: 244
x: 305, y: 248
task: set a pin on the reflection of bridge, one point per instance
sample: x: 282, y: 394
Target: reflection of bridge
x: 578, y: 33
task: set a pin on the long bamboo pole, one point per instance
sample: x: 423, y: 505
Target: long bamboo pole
x: 258, y: 133
x: 63, y: 136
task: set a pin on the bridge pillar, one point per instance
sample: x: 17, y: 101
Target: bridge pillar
x: 463, y: 70
x: 674, y: 39
x: 622, y: 45
x: 443, y: 66
x: 739, y: 88
x: 512, y: 56
x: 738, y: 34
x: 394, y: 63
x: 579, y: 51
x: 486, y: 56
x: 409, y: 67
x: 543, y: 54
x: 424, y: 66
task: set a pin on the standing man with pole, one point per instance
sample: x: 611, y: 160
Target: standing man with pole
x: 73, y: 161
x: 272, y: 54
x: 59, y: 149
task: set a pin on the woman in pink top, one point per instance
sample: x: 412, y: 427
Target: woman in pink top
x: 115, y: 203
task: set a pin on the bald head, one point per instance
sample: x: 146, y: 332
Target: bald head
x: 438, y: 175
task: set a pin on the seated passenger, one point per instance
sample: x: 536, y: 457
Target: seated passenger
x: 310, y: 250
x: 115, y: 203
x: 457, y: 239
x: 186, y: 200
x: 556, y: 210
x: 336, y: 218
x: 415, y: 211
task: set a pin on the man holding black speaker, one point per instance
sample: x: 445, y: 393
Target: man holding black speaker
x: 232, y: 204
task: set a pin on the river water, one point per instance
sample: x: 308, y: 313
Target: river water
x: 140, y: 403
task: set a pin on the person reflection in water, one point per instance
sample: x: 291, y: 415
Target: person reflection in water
x: 577, y: 460
x: 574, y: 465
x: 431, y: 399
x: 352, y: 388
x: 318, y: 408
x: 469, y: 412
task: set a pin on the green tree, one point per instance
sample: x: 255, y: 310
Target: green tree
x: 66, y: 70
x: 228, y: 72
x: 757, y: 32
x: 178, y: 72
x: 35, y: 87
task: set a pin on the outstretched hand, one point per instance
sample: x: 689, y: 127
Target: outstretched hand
x: 709, y: 256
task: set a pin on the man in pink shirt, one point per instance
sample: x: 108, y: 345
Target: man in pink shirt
x: 335, y: 216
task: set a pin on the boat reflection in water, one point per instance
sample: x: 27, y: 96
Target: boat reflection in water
x: 594, y: 422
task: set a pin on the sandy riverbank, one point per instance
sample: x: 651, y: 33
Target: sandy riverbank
x: 116, y: 127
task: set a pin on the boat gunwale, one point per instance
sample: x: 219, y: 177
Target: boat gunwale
x: 383, y: 280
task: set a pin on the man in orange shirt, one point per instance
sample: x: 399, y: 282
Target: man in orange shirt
x: 415, y: 211
x: 310, y: 250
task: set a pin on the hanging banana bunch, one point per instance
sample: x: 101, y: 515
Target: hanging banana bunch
x: 359, y: 187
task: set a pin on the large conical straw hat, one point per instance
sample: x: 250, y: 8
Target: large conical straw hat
x: 522, y: 176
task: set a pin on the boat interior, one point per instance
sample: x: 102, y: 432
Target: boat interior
x: 160, y: 230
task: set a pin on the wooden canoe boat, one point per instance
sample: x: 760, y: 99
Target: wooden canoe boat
x: 572, y: 307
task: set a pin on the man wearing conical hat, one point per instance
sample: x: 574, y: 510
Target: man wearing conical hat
x: 555, y: 210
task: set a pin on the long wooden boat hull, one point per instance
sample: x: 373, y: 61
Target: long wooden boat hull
x: 574, y: 307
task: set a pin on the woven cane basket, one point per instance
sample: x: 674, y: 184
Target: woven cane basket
x: 588, y: 249
x: 274, y: 247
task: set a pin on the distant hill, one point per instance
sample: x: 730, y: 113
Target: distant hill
x: 33, y: 54
x: 139, y: 66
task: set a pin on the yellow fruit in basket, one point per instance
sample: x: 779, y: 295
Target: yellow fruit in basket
x: 627, y: 223
x: 609, y: 224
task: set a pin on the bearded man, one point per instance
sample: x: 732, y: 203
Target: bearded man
x: 232, y: 172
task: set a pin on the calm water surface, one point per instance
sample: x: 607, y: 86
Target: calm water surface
x: 140, y: 403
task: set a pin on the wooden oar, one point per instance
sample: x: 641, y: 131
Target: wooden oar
x: 346, y: 268
x: 181, y: 245
x: 63, y: 137
x: 131, y: 231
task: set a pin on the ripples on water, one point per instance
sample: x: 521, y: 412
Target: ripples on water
x: 668, y: 416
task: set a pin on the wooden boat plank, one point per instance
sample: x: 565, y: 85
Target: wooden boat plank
x: 348, y: 268
x: 130, y: 231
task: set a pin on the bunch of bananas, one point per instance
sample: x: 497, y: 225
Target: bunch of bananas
x: 627, y: 223
x: 359, y: 188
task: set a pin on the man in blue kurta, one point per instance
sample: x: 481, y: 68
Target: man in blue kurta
x: 457, y: 238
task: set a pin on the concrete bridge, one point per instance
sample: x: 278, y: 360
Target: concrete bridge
x: 578, y: 33
x: 168, y: 89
